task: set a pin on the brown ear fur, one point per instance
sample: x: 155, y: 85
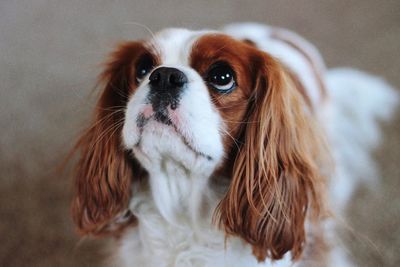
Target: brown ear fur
x: 104, y: 172
x: 275, y: 172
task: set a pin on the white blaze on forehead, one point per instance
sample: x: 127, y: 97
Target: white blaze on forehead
x: 174, y: 45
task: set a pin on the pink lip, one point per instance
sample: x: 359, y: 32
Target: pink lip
x: 147, y: 111
x: 174, y: 117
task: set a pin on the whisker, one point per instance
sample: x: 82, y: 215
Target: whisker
x: 119, y: 91
x: 101, y: 135
x: 116, y: 128
x: 113, y: 108
x: 214, y: 101
x: 233, y: 139
x: 244, y: 122
x: 220, y: 96
x: 141, y: 25
x: 106, y: 117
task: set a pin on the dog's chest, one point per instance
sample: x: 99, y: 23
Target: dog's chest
x: 159, y: 242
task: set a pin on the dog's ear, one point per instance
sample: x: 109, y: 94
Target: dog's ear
x: 104, y: 171
x: 276, y: 172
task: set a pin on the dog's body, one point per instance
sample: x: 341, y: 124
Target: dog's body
x: 195, y: 140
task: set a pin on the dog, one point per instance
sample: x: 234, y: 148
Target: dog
x: 226, y: 148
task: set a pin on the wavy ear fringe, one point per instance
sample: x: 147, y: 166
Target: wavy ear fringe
x: 276, y: 174
x: 104, y: 171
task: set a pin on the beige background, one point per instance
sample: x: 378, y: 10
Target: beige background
x: 49, y: 56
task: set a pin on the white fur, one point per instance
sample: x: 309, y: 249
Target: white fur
x: 174, y: 210
x: 358, y: 102
x: 177, y: 173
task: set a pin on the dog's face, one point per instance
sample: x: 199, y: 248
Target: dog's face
x: 210, y: 104
x: 190, y: 95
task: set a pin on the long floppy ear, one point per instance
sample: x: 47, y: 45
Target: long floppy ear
x: 275, y: 176
x: 104, y: 171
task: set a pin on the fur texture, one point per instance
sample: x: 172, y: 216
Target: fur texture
x: 226, y: 179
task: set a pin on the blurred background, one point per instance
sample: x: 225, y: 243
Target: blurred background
x: 50, y: 53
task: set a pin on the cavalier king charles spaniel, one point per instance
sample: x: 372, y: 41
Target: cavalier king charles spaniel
x: 225, y: 148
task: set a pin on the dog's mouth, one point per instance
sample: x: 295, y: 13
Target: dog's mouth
x: 163, y: 119
x: 161, y: 116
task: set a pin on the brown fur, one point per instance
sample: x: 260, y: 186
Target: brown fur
x: 104, y: 172
x: 275, y: 176
x: 213, y: 48
x: 273, y: 149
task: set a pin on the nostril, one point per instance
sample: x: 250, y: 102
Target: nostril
x: 155, y: 77
x: 178, y: 79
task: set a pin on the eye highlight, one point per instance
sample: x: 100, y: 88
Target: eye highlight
x: 221, y: 78
x: 143, y: 67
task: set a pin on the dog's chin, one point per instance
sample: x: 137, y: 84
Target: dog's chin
x: 159, y: 141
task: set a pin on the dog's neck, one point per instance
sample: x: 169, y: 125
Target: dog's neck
x: 177, y: 193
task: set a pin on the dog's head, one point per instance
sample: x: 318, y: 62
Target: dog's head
x: 212, y: 104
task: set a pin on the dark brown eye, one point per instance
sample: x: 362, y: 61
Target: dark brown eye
x: 143, y: 67
x: 222, y: 78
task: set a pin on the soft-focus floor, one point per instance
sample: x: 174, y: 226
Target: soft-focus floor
x: 49, y: 56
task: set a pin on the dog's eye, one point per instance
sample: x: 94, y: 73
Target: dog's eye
x: 143, y: 67
x: 222, y: 78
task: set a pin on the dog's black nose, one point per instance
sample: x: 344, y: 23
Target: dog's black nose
x: 166, y: 86
x: 165, y: 78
